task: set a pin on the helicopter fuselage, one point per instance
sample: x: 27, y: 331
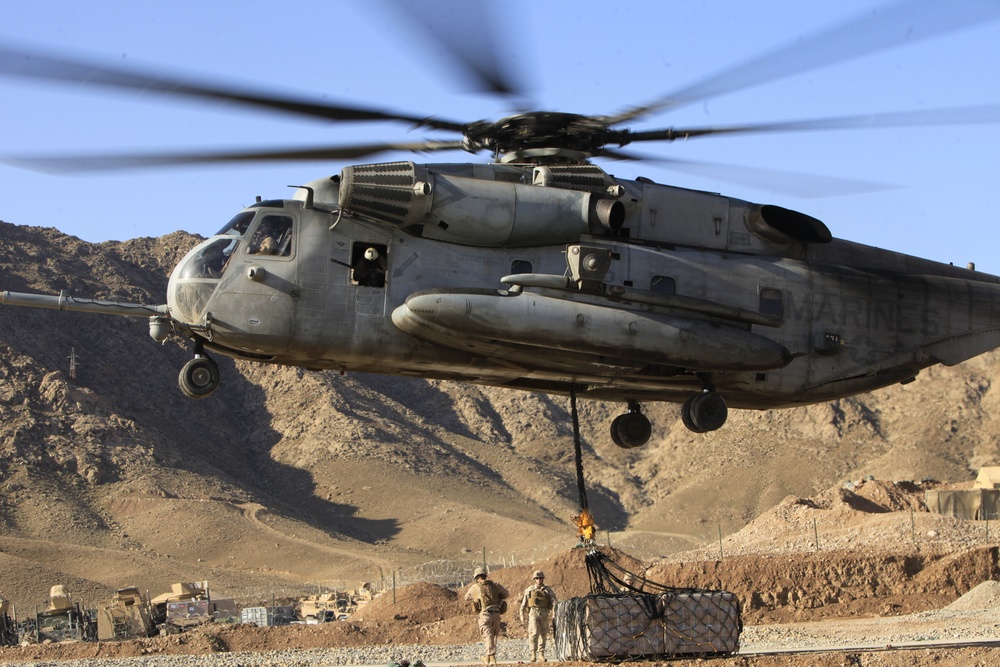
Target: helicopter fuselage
x: 546, y: 278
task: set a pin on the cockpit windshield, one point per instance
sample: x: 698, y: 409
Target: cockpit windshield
x: 210, y: 261
x: 238, y: 225
x: 272, y: 235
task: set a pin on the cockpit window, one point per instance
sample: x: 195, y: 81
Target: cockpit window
x: 273, y: 237
x: 210, y: 262
x: 238, y: 225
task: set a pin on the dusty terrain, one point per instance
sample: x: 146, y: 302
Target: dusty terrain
x: 913, y: 577
x: 285, y: 480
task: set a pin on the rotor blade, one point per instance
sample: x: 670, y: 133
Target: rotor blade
x: 40, y: 67
x: 904, y: 23
x: 95, y: 163
x: 796, y: 184
x: 465, y: 31
x: 987, y: 114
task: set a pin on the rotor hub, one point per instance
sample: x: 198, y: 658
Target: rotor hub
x: 541, y: 136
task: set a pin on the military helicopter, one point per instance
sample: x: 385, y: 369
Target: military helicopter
x: 542, y: 272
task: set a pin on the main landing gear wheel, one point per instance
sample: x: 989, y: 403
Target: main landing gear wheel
x: 631, y: 429
x: 199, y: 377
x: 704, y: 412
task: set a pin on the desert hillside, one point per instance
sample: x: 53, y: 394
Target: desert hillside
x: 285, y: 479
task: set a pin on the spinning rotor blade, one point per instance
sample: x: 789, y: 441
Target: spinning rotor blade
x: 35, y: 66
x: 977, y: 115
x: 904, y: 23
x: 94, y: 163
x: 796, y: 184
x: 465, y: 30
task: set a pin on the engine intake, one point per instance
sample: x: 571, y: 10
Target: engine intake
x: 782, y: 225
x: 475, y: 210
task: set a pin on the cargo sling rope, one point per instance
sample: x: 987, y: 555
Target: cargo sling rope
x: 620, y: 620
x: 585, y: 526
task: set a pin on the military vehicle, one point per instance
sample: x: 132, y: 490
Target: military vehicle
x: 126, y: 615
x: 187, y: 605
x: 63, y: 620
x: 8, y: 623
x: 325, y: 607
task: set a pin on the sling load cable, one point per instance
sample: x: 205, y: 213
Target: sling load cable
x: 602, y: 580
x: 585, y: 526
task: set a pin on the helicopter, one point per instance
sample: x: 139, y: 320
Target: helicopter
x: 540, y: 271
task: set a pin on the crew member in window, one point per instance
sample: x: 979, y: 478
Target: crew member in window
x: 369, y: 269
x: 266, y: 239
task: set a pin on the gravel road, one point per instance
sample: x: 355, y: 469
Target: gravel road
x: 974, y: 616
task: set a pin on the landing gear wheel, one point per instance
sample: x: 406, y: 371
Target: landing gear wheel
x: 615, y: 438
x: 704, y: 412
x: 631, y: 429
x: 686, y: 414
x: 199, y: 377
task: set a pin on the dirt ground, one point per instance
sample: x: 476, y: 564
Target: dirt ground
x: 880, y: 578
x: 431, y: 614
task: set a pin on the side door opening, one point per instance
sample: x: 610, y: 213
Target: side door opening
x: 368, y: 264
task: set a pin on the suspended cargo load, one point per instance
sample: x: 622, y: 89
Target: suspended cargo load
x: 633, y: 625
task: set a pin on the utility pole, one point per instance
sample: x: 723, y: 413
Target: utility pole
x: 72, y: 363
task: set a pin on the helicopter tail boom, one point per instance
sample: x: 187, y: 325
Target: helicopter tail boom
x: 66, y: 302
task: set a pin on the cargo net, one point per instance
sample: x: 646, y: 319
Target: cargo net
x: 627, y: 617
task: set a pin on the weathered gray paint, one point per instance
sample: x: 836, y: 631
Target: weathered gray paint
x: 853, y: 317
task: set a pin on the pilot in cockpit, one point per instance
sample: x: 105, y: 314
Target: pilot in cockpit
x: 265, y: 240
x: 215, y: 259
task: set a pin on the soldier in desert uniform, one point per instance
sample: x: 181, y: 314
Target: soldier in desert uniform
x: 539, y: 600
x: 489, y: 599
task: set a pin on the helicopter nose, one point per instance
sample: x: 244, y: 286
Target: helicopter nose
x: 195, y: 278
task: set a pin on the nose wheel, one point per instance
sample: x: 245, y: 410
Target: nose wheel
x: 631, y: 429
x: 200, y: 376
x: 704, y: 412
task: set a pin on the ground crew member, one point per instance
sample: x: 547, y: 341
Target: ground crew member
x: 539, y: 600
x: 489, y: 599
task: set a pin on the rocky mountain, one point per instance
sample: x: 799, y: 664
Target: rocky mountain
x: 285, y: 478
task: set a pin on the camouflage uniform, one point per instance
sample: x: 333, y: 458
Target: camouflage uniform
x: 539, y: 600
x: 487, y: 596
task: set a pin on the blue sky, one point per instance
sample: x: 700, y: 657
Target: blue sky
x: 581, y: 56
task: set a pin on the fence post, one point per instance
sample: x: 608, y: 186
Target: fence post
x: 815, y: 533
